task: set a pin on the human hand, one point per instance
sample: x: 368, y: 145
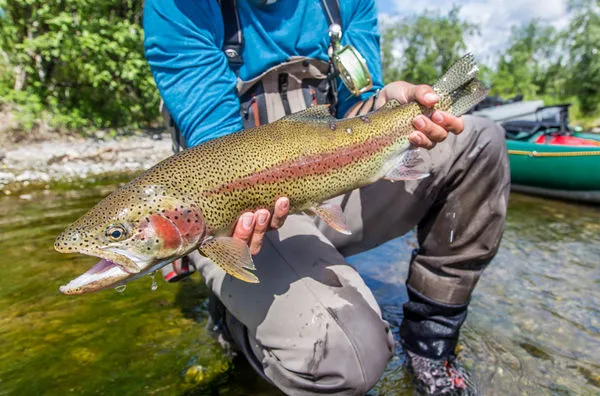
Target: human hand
x: 251, y: 226
x: 429, y: 130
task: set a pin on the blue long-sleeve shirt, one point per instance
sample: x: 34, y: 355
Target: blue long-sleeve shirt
x: 184, y: 40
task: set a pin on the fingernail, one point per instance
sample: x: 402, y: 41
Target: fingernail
x: 284, y: 204
x: 262, y: 218
x: 431, y: 97
x: 247, y: 220
x: 415, y: 138
x: 437, y: 117
x: 419, y: 122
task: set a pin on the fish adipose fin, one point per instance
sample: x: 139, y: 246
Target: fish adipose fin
x: 391, y: 104
x: 232, y: 255
x: 333, y: 215
x: 405, y: 167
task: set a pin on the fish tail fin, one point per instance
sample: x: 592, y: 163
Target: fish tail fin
x: 459, y: 74
x: 464, y: 98
x: 459, y: 88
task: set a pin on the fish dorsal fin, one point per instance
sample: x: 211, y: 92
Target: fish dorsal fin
x: 318, y: 113
x: 333, y: 215
x: 232, y: 255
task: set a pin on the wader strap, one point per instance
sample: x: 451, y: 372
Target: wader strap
x: 233, y: 42
x: 284, y: 89
x: 332, y: 11
x: 177, y: 140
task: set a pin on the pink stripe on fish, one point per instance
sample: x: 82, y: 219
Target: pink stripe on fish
x: 310, y: 165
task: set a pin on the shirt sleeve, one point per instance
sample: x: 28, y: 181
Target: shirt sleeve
x: 183, y: 41
x: 361, y: 29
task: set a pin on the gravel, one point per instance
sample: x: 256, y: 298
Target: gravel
x: 75, y: 159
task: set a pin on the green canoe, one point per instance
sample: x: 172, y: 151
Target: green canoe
x: 567, y: 171
x: 547, y: 156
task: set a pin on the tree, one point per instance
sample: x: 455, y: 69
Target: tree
x: 81, y: 59
x: 584, y: 49
x: 531, y: 65
x: 419, y: 49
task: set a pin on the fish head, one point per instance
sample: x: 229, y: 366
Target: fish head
x: 135, y: 230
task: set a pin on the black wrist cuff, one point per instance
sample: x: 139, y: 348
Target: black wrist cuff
x: 429, y: 328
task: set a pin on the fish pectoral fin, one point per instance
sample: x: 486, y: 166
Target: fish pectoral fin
x: 404, y: 173
x: 333, y: 215
x: 408, y: 167
x: 232, y: 255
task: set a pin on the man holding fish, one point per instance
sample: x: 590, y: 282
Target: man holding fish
x: 312, y: 326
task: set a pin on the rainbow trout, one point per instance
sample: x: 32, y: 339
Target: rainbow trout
x: 193, y: 199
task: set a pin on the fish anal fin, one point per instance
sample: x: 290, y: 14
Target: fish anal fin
x: 232, y: 255
x: 333, y: 215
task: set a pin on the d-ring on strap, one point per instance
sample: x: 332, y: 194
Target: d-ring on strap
x: 233, y: 43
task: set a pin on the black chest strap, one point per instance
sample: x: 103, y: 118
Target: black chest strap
x: 233, y: 43
x: 332, y: 12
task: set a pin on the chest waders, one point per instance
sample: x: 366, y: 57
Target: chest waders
x: 289, y: 87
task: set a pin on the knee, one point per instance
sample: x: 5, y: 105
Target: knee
x: 489, y: 137
x: 488, y: 148
x: 345, y: 356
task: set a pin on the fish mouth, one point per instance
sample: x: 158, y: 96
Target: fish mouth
x: 104, y: 274
x: 112, y: 270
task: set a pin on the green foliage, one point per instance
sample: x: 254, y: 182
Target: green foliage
x: 80, y: 60
x: 430, y: 43
x: 539, y: 63
x: 583, y: 38
x: 529, y: 64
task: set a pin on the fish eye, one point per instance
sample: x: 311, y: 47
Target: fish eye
x: 116, y: 232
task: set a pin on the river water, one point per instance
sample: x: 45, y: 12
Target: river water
x: 533, y: 326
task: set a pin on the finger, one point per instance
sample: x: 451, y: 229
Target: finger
x: 402, y: 91
x: 282, y: 208
x: 425, y: 95
x: 367, y: 106
x: 418, y: 139
x: 447, y: 121
x: 261, y: 221
x: 244, y: 226
x: 434, y: 132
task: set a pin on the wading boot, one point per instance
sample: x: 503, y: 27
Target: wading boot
x: 440, y: 377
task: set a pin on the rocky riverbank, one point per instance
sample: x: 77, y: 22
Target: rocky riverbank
x: 74, y: 158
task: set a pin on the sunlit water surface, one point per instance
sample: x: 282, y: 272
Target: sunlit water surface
x: 533, y: 325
